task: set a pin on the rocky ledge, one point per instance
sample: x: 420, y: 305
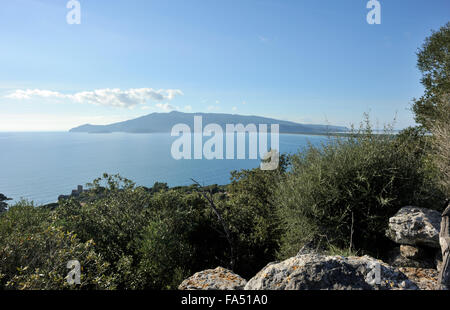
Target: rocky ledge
x: 416, y: 227
x: 214, y: 279
x: 425, y: 279
x: 320, y: 272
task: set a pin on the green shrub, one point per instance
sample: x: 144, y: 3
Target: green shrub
x: 23, y: 217
x: 34, y: 253
x: 151, y: 239
x: 166, y: 251
x: 114, y: 220
x: 250, y: 212
x: 352, y: 184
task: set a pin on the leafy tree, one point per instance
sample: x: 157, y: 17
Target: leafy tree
x: 251, y: 213
x: 150, y: 239
x: 114, y: 221
x: 166, y: 250
x: 434, y: 63
x: 441, y: 142
x: 3, y: 204
x: 343, y: 193
x: 34, y: 253
x: 158, y: 186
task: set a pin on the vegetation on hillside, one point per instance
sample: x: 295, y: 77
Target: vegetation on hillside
x: 341, y: 195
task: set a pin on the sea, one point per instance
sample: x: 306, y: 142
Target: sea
x: 40, y: 166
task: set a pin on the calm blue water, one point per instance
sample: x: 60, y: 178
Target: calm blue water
x: 41, y: 166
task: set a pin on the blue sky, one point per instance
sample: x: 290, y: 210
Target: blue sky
x: 308, y: 61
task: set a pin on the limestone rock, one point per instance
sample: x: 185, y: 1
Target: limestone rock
x: 213, y: 279
x: 425, y: 279
x: 412, y: 257
x: 412, y: 252
x: 320, y: 272
x: 415, y: 226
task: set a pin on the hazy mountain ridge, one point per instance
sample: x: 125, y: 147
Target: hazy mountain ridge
x: 163, y: 122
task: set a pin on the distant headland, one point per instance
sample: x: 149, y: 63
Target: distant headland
x: 163, y: 123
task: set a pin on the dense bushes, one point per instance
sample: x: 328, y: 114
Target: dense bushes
x: 170, y: 246
x: 34, y: 253
x: 343, y: 193
x: 114, y: 220
x: 129, y: 237
x: 150, y: 238
x: 251, y: 213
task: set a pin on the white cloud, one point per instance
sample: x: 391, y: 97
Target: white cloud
x: 114, y: 97
x: 234, y: 108
x: 166, y: 107
x: 188, y: 108
x: 29, y: 93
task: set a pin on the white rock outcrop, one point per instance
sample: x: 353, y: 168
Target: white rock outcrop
x: 415, y: 226
x: 214, y: 279
x: 320, y: 272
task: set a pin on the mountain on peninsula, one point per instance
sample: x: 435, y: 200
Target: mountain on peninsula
x: 163, y: 122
